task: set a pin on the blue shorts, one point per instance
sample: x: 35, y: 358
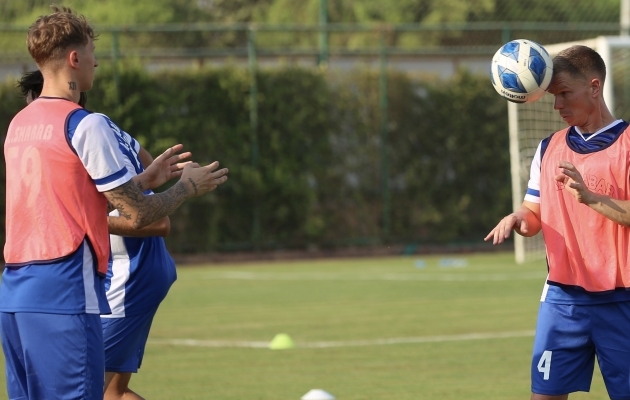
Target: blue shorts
x: 568, y: 337
x: 124, y: 339
x: 53, y: 356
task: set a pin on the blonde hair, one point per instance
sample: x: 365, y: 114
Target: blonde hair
x: 50, y: 35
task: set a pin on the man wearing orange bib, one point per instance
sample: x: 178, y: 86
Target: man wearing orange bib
x: 578, y: 195
x: 63, y: 165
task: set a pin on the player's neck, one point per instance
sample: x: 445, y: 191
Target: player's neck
x: 598, y: 120
x: 61, y: 85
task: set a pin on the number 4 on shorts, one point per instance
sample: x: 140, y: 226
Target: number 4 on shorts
x: 544, y: 365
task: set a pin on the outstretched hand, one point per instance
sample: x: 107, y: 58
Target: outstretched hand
x: 200, y: 180
x: 165, y: 167
x: 525, y: 221
x: 573, y: 182
x: 504, y: 228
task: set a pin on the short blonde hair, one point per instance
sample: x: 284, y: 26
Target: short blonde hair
x: 51, y: 34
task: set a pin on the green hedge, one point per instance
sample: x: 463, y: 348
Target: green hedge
x: 318, y: 175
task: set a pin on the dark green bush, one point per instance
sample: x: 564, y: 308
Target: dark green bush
x: 315, y: 176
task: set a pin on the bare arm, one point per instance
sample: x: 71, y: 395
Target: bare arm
x: 141, y: 210
x: 121, y: 227
x: 613, y: 209
x: 525, y: 221
x: 145, y: 157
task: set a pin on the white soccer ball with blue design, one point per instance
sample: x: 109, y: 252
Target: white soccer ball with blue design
x: 521, y: 71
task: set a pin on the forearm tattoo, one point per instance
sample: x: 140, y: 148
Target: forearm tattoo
x: 128, y: 197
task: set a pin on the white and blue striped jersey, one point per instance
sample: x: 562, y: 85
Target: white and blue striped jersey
x: 583, y: 144
x: 71, y: 285
x: 141, y: 271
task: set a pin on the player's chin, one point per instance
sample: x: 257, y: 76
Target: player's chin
x: 86, y: 84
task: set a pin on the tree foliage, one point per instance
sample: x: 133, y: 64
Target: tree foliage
x: 376, y: 12
x: 307, y: 11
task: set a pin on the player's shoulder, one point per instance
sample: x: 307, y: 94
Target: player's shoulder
x: 85, y: 119
x: 623, y: 126
x: 110, y: 123
x: 542, y: 147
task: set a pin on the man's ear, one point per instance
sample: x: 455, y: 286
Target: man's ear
x: 596, y: 87
x: 73, y: 59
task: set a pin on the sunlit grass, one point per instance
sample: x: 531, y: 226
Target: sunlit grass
x: 344, y: 301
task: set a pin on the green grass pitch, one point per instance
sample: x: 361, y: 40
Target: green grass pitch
x: 455, y: 331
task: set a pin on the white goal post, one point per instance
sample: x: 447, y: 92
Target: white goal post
x: 532, y: 122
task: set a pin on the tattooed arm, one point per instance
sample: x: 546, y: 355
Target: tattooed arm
x: 142, y: 210
x: 166, y: 167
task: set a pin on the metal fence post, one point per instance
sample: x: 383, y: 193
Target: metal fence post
x: 384, y: 107
x: 624, y: 18
x: 253, y: 124
x: 323, y: 33
x: 506, y: 34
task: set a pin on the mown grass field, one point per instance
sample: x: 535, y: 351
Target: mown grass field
x: 387, y: 328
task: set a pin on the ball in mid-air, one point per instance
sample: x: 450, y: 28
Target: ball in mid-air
x: 521, y: 71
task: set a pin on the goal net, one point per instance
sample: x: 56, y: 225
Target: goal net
x: 532, y: 122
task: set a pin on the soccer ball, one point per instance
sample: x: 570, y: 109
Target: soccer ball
x: 521, y: 71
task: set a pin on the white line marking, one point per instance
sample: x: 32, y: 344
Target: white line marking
x: 350, y: 343
x: 210, y: 343
x: 260, y: 276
